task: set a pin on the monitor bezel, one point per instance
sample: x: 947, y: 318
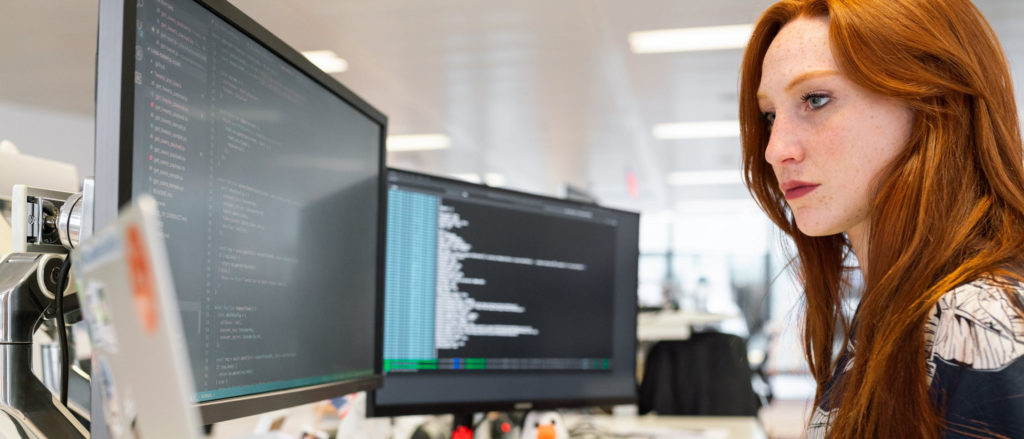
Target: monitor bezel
x: 115, y: 91
x: 373, y: 409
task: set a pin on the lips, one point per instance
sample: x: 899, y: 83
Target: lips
x: 795, y: 188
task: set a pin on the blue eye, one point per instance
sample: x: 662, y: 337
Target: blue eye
x: 816, y: 100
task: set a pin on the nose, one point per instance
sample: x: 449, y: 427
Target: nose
x: 783, y: 147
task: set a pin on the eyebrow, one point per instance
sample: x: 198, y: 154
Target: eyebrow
x: 805, y: 76
x: 808, y: 76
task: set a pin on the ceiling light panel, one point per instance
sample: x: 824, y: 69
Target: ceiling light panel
x: 417, y: 142
x: 705, y: 178
x: 697, y: 130
x: 326, y: 60
x: 468, y: 177
x: 691, y: 39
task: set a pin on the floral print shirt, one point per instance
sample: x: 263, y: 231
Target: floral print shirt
x: 974, y: 343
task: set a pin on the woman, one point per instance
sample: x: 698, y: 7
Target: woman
x: 887, y: 128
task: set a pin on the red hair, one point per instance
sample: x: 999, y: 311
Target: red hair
x: 948, y: 209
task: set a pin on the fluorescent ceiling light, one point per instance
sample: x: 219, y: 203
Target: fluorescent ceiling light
x: 469, y: 177
x: 704, y: 178
x: 494, y: 179
x: 326, y: 60
x: 697, y: 130
x: 418, y: 142
x: 491, y: 179
x: 737, y: 205
x: 691, y: 39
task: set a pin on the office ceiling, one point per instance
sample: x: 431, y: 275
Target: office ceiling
x: 544, y: 92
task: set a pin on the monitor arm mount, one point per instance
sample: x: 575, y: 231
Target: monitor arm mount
x: 28, y: 281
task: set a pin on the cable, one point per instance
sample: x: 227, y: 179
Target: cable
x: 62, y: 332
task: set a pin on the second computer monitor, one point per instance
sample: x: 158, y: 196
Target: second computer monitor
x: 268, y: 174
x: 499, y: 300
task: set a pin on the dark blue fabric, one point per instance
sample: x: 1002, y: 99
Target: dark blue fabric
x: 975, y: 403
x: 980, y: 403
x: 841, y: 365
x: 980, y: 323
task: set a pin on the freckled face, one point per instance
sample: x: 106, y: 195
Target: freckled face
x: 830, y: 138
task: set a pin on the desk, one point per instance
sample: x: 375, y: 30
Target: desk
x: 672, y: 325
x: 711, y: 427
x: 649, y: 427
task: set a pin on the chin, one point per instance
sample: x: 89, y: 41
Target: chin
x: 812, y: 227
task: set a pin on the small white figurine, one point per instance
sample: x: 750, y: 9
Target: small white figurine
x: 544, y: 425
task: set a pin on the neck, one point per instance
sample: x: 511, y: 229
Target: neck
x: 858, y: 236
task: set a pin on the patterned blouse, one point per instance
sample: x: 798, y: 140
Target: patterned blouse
x: 974, y: 342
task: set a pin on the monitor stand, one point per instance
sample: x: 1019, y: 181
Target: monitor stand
x: 26, y: 406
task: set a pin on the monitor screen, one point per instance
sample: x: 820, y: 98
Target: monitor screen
x: 496, y: 299
x: 268, y: 175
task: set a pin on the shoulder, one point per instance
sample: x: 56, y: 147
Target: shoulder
x: 975, y: 365
x: 977, y: 325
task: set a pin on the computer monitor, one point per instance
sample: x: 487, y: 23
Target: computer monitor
x: 269, y: 178
x: 501, y: 300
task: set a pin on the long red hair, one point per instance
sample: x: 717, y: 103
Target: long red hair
x: 949, y: 209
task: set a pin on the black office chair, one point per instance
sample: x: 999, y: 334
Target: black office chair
x: 706, y: 375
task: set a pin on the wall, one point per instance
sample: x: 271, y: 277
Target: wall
x: 49, y: 134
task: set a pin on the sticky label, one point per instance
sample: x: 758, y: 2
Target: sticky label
x: 141, y: 277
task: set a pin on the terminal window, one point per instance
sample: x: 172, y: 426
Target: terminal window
x: 475, y: 284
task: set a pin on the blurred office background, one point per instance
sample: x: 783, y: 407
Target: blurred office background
x: 544, y: 96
